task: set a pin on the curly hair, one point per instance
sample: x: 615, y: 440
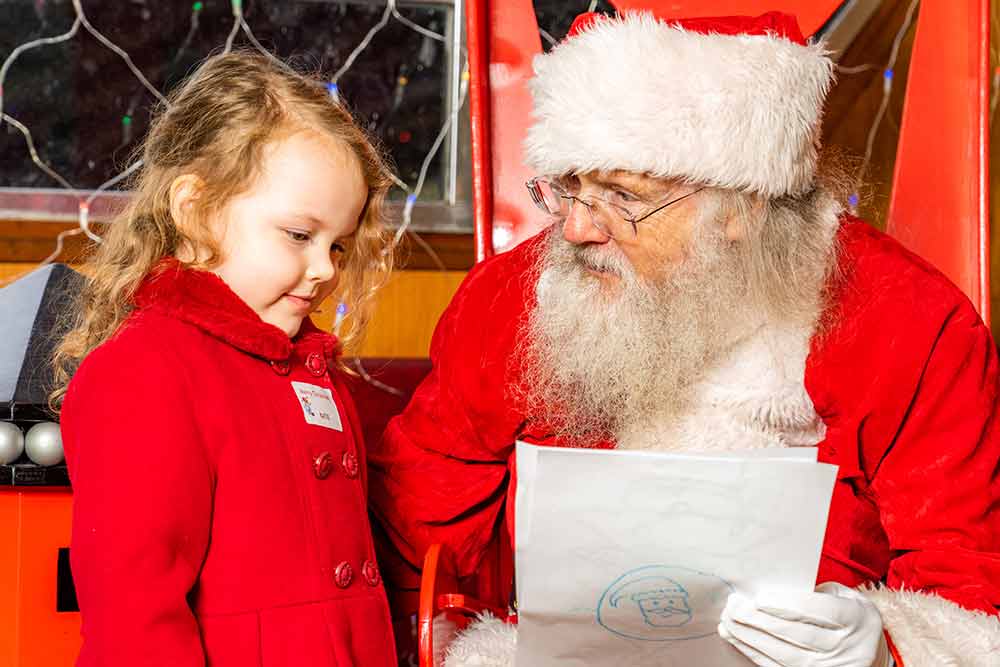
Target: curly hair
x: 216, y: 126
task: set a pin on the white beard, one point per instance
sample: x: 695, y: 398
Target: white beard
x: 631, y: 363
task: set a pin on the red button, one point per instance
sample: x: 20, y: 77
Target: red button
x: 323, y: 465
x: 343, y: 575
x: 316, y: 364
x: 281, y: 367
x: 350, y: 463
x: 370, y: 572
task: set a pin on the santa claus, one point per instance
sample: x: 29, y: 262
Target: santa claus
x: 702, y: 287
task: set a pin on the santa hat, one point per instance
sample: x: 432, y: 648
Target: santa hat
x: 732, y: 102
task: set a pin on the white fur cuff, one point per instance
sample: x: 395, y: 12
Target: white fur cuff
x: 486, y: 642
x: 930, y: 631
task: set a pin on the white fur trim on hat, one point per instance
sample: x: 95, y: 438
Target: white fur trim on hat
x: 641, y: 95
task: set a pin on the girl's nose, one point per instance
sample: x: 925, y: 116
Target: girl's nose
x: 322, y: 268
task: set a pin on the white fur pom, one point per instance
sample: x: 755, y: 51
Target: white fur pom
x: 487, y: 642
x: 930, y: 631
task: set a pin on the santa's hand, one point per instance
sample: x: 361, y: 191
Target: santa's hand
x: 834, y: 627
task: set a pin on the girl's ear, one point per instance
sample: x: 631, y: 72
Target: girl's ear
x: 184, y: 191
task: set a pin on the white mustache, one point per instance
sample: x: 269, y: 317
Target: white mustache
x: 592, y: 257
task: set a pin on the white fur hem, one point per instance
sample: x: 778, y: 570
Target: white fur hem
x: 930, y: 631
x: 638, y: 94
x: 486, y: 642
x: 927, y: 630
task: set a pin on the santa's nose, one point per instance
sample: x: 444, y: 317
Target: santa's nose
x: 579, y: 228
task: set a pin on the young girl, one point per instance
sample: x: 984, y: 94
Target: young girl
x: 217, y: 466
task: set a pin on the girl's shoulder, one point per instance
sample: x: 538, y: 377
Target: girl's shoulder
x: 146, y: 344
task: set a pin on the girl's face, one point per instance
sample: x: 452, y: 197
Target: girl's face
x: 284, y: 239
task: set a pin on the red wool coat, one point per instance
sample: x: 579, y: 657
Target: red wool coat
x: 212, y: 525
x: 905, y: 382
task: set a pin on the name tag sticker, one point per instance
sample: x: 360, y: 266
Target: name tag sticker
x: 317, y: 405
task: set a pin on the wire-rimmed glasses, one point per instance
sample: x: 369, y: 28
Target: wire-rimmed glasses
x: 610, y: 218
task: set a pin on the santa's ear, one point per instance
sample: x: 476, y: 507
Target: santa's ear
x: 744, y: 216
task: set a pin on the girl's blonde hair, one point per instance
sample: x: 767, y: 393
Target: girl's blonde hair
x: 216, y: 127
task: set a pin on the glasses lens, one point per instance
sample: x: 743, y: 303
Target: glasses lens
x: 618, y: 220
x: 613, y: 220
x: 546, y: 198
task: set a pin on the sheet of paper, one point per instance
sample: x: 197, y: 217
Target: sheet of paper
x: 628, y: 557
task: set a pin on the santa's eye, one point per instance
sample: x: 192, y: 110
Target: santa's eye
x: 624, y: 197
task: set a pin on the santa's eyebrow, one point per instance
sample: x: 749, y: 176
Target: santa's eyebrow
x: 623, y: 181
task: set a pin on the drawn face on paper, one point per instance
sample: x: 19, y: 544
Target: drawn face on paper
x: 663, y: 603
x: 664, y: 607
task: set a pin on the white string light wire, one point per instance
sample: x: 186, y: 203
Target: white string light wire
x: 887, y: 81
x: 78, y: 7
x: 239, y: 25
x: 390, y: 7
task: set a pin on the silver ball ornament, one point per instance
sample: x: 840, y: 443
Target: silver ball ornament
x: 43, y: 444
x: 11, y: 443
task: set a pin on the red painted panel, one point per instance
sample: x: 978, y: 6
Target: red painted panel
x: 477, y: 29
x: 10, y: 567
x: 36, y: 523
x: 812, y: 14
x: 940, y: 196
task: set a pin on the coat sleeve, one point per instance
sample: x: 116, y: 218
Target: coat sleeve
x: 142, y: 505
x: 938, y: 492
x: 440, y: 473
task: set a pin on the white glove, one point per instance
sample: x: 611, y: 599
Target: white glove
x: 834, y: 627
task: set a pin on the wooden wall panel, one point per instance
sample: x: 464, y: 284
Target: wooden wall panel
x: 406, y: 310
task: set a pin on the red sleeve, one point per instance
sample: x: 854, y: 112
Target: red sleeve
x: 142, y: 505
x: 937, y: 486
x: 440, y: 473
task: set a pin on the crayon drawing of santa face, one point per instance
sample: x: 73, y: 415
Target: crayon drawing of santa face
x: 663, y: 603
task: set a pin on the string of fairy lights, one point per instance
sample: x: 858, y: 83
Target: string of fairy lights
x: 887, y: 84
x: 239, y: 26
x: 390, y: 13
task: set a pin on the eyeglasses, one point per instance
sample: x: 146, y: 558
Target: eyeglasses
x: 617, y: 219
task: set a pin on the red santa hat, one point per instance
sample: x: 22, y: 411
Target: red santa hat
x: 732, y: 102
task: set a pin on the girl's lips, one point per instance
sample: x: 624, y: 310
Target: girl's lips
x: 299, y: 301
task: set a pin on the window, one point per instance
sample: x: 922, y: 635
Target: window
x: 87, y: 111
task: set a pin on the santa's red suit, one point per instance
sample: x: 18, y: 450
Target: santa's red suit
x: 900, y: 391
x: 898, y: 388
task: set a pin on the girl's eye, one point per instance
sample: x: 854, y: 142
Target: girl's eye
x: 298, y: 237
x: 337, y: 248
